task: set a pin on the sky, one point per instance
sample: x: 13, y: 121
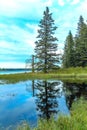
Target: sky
x: 19, y: 20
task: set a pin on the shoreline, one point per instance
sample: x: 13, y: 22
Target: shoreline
x: 12, y: 78
x: 78, y: 74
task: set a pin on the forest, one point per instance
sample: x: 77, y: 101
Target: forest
x: 75, y: 47
x: 75, y: 50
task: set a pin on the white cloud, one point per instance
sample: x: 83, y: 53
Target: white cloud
x: 60, y: 52
x: 5, y: 44
x: 64, y: 2
x: 22, y: 8
x: 61, y: 2
x: 19, y: 38
x: 48, y: 3
x: 8, y: 8
x: 75, y: 2
x: 12, y: 65
x: 83, y: 7
x: 68, y: 0
x: 67, y: 25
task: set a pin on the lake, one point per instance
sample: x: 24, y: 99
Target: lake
x: 14, y: 71
x: 34, y: 99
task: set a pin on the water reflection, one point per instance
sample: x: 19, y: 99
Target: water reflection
x: 74, y: 91
x: 46, y: 98
x: 32, y: 87
x: 37, y: 98
x: 17, y: 104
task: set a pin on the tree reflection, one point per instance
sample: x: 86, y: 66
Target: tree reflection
x: 74, y: 91
x: 47, y: 94
x: 46, y: 98
x: 28, y: 88
x: 33, y: 88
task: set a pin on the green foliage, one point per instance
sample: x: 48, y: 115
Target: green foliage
x: 78, y: 73
x: 76, y: 121
x: 75, y: 51
x: 46, y: 47
x: 81, y: 44
x: 24, y: 126
x: 68, y: 57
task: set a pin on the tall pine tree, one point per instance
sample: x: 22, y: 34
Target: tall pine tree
x: 46, y: 45
x: 81, y: 43
x: 68, y: 56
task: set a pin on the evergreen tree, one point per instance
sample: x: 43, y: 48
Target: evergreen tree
x: 68, y: 56
x: 81, y: 43
x: 46, y: 45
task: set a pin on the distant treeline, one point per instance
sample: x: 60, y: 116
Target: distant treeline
x: 15, y: 69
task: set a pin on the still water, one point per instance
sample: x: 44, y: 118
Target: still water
x: 14, y: 71
x: 34, y: 99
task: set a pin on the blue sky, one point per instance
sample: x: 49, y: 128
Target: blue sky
x: 19, y: 21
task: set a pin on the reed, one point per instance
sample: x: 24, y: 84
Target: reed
x: 77, y: 120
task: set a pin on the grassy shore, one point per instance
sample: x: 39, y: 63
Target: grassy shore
x: 73, y: 74
x: 76, y: 121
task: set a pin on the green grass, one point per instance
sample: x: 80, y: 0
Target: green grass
x: 77, y: 120
x: 75, y: 74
